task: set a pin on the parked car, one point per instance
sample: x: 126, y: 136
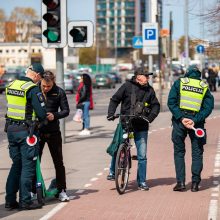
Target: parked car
x: 77, y: 75
x: 7, y: 78
x: 116, y: 76
x: 103, y: 80
x: 70, y: 82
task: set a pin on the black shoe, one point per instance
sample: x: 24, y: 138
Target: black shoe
x: 11, y: 206
x: 111, y: 176
x: 30, y: 207
x: 180, y: 186
x: 195, y: 187
x: 143, y: 186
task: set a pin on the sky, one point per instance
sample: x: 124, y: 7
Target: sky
x: 85, y: 10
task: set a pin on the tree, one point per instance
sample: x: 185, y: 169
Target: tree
x: 181, y: 43
x: 24, y: 18
x: 2, y: 15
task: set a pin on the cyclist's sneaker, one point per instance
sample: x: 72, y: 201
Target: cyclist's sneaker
x: 63, y: 196
x: 84, y: 132
x: 143, y: 186
x: 111, y: 176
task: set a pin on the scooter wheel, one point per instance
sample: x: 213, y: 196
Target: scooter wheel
x: 40, y: 197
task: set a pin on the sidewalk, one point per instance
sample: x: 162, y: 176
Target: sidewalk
x: 100, y: 200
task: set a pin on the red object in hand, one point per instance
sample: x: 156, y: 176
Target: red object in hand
x: 199, y: 132
x: 31, y: 141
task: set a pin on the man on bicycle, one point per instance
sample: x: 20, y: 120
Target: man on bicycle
x: 145, y: 96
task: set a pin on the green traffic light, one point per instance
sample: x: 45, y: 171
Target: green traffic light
x: 51, y: 35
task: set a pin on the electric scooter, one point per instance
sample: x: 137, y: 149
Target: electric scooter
x: 41, y: 190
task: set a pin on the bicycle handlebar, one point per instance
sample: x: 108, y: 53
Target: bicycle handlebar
x: 131, y: 116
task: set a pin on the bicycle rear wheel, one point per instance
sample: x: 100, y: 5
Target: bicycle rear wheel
x: 122, y: 169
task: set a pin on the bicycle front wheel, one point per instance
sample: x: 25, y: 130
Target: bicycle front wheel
x: 122, y: 168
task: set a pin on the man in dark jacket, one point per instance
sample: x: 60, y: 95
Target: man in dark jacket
x: 190, y: 103
x: 144, y: 93
x: 55, y: 99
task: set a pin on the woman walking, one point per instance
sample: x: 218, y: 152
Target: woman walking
x: 84, y: 101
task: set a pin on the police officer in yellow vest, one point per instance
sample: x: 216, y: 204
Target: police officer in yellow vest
x: 25, y: 103
x: 190, y: 103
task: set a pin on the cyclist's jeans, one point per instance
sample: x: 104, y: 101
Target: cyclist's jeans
x: 140, y: 139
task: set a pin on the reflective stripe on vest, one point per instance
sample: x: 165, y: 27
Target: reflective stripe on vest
x: 192, y: 92
x: 16, y: 99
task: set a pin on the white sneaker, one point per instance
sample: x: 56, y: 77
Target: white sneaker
x: 84, y: 132
x: 63, y: 197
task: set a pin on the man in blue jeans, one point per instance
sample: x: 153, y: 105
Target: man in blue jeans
x: 144, y: 94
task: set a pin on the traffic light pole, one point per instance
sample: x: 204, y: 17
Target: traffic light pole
x: 60, y: 83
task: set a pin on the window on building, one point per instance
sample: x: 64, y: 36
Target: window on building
x: 1, y: 51
x: 7, y: 51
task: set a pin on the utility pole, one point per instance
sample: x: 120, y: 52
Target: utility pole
x: 159, y: 20
x: 186, y: 30
x: 170, y: 45
x: 60, y: 83
x: 97, y: 50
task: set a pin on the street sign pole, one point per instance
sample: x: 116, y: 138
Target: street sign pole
x: 60, y: 83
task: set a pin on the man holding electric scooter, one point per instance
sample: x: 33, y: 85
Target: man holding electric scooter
x: 190, y: 103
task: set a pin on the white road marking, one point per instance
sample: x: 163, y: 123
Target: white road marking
x: 107, y: 168
x: 87, y: 185
x: 80, y: 191
x: 213, y: 206
x: 99, y: 174
x: 94, y: 179
x: 54, y: 211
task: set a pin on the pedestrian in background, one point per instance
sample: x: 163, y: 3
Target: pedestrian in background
x: 84, y: 101
x: 144, y: 93
x: 190, y: 103
x: 57, y: 107
x: 25, y: 103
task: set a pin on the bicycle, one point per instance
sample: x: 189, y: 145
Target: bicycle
x: 123, y: 157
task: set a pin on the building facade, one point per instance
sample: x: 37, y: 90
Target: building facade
x: 118, y: 21
x: 22, y: 54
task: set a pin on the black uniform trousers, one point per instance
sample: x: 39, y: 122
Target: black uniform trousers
x: 23, y: 168
x: 54, y: 141
x: 179, y: 134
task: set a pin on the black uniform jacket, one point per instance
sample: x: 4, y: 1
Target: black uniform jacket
x: 56, y: 100
x: 123, y: 96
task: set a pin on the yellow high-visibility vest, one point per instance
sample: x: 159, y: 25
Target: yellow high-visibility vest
x: 192, y: 92
x: 16, y: 99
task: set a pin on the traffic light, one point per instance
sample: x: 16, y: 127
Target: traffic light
x: 54, y: 17
x: 80, y: 34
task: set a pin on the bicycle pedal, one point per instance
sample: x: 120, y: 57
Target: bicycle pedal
x: 134, y: 157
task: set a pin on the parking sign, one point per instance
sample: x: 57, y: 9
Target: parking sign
x: 150, y: 34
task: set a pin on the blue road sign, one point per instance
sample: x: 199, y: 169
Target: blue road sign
x: 137, y: 42
x: 200, y: 48
x: 150, y: 34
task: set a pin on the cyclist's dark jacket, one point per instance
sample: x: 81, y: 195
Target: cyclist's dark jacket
x: 123, y: 96
x: 56, y: 99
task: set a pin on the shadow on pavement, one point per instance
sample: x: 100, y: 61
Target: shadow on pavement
x: 76, y: 194
x: 100, y: 133
x: 48, y: 201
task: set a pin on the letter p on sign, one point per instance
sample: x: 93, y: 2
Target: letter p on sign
x: 150, y: 34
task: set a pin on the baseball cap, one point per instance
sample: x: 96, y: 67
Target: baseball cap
x: 142, y: 71
x: 37, y: 67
